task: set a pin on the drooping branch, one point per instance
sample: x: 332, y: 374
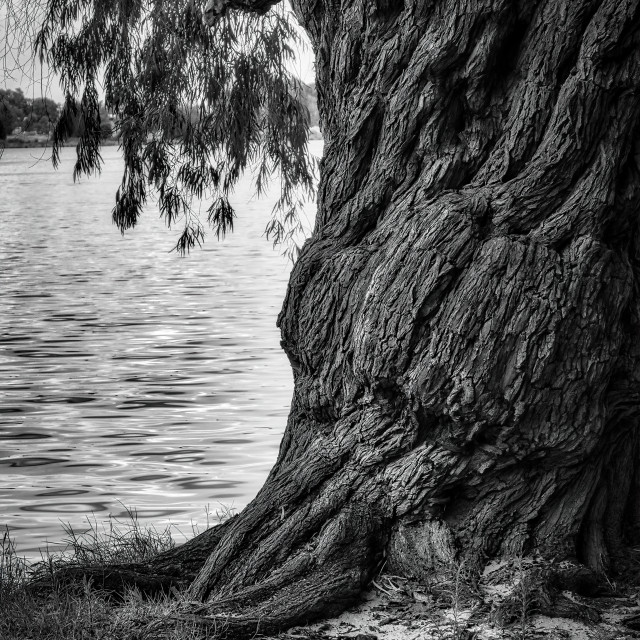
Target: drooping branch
x: 197, y: 106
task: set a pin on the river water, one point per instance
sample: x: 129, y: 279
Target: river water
x: 130, y: 376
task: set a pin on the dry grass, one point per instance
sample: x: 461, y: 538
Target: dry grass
x: 68, y: 614
x: 81, y: 612
x: 114, y: 542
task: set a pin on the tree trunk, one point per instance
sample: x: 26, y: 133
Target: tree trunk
x: 463, y: 324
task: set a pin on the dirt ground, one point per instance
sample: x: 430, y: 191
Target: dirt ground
x: 400, y: 609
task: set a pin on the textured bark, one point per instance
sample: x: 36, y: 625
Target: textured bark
x: 463, y: 324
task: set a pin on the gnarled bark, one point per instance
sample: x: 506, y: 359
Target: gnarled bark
x: 463, y: 323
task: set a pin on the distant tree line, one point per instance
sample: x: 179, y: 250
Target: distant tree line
x: 37, y: 115
x: 18, y: 111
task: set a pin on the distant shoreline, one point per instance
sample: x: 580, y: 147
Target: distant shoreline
x: 41, y: 142
x: 23, y: 141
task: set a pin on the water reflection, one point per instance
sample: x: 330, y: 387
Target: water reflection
x: 129, y: 375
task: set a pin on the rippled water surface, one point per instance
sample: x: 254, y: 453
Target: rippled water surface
x: 129, y: 375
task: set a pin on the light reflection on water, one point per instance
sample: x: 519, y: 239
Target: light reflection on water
x: 129, y: 375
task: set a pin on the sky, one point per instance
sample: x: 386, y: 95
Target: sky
x: 19, y: 67
x: 21, y: 70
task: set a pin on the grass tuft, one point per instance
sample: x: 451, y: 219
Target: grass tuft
x: 117, y: 541
x: 81, y: 612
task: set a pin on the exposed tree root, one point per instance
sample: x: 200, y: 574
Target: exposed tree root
x: 321, y: 580
x: 315, y: 580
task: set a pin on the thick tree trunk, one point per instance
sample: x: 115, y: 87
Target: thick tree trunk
x: 463, y: 325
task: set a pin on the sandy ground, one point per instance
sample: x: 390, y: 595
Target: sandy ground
x: 396, y: 609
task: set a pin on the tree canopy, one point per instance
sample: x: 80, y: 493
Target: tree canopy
x: 29, y: 114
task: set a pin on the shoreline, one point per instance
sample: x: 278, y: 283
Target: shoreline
x: 37, y: 142
x: 41, y: 142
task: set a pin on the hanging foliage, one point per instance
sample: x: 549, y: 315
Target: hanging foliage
x: 196, y: 105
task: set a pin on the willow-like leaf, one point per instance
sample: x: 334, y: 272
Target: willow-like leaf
x: 196, y: 105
